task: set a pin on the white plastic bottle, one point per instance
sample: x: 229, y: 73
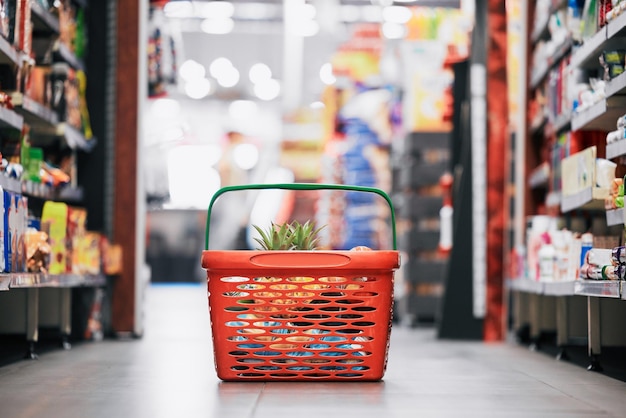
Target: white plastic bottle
x: 546, y: 259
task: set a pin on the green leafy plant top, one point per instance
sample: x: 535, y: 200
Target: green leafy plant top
x: 289, y: 236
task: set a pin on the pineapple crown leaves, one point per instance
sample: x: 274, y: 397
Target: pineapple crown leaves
x: 278, y: 237
x: 305, y: 236
x: 293, y: 236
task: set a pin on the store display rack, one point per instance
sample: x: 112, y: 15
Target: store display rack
x: 24, y: 294
x: 576, y: 304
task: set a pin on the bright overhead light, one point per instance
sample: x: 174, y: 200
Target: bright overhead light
x: 371, y: 14
x: 326, y: 74
x: 397, y: 14
x: 267, y: 90
x: 217, y: 26
x: 246, y: 156
x: 214, y: 9
x: 317, y: 105
x: 219, y: 67
x: 307, y: 12
x: 393, y: 30
x: 198, y: 88
x: 178, y: 9
x: 258, y: 11
x: 229, y: 78
x: 190, y: 70
x: 259, y: 72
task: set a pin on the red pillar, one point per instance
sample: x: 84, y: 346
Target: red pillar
x: 497, y: 135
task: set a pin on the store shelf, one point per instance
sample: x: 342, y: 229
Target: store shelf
x: 616, y: 149
x: 526, y: 286
x: 30, y: 280
x: 586, y: 56
x: 565, y: 288
x: 616, y: 27
x: 540, y: 176
x: 587, y: 199
x: 35, y: 114
x: 623, y: 289
x: 616, y: 86
x: 5, y: 283
x: 8, y: 54
x: 559, y: 288
x: 601, y: 116
x: 44, y: 22
x: 562, y: 123
x: 73, y: 138
x: 538, y: 125
x: 539, y: 73
x: 10, y: 119
x: 598, y: 288
x: 540, y: 31
x: 63, y: 54
x: 615, y: 217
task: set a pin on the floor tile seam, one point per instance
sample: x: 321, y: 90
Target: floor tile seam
x: 596, y: 408
x: 257, y: 401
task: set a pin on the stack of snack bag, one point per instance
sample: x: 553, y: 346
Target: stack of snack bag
x: 604, y: 264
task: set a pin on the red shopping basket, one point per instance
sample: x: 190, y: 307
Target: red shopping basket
x: 300, y: 315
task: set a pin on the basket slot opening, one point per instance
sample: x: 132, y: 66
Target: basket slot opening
x: 234, y: 279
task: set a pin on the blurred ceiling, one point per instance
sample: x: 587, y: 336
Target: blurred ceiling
x: 257, y: 35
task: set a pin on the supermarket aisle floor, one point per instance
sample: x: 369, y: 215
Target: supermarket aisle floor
x: 169, y: 373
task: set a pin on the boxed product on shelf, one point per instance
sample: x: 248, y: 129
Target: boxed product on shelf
x: 75, y: 234
x: 54, y: 218
x: 37, y: 247
x: 86, y: 253
x: 15, y: 221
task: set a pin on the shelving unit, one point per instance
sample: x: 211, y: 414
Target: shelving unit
x: 21, y: 290
x: 548, y: 306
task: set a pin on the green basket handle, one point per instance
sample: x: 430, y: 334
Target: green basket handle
x: 301, y: 186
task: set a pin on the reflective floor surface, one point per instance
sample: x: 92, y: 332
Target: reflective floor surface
x: 169, y: 372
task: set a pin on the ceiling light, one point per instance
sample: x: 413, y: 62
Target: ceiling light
x: 317, y: 105
x: 217, y: 26
x: 246, y: 156
x: 326, y: 74
x: 198, y: 88
x: 190, y: 70
x: 267, y: 90
x: 220, y: 66
x: 397, y: 14
x: 179, y: 9
x: 229, y: 78
x: 214, y: 9
x: 371, y: 13
x: 259, y: 72
x: 258, y: 11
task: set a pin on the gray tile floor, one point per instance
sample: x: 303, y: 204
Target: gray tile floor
x: 169, y: 373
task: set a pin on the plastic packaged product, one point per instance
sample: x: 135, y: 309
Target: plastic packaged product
x: 618, y: 255
x: 599, y: 256
x: 609, y: 273
x: 594, y: 273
